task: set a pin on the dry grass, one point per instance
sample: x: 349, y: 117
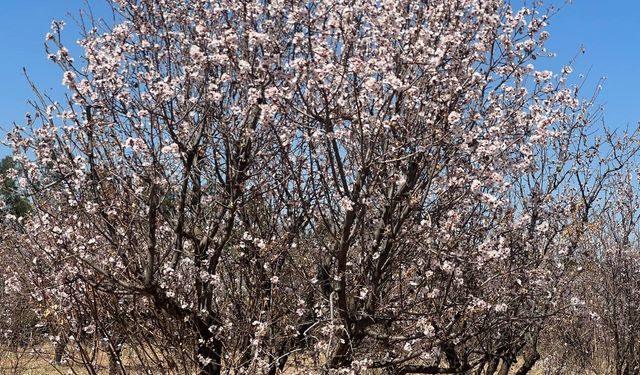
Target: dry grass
x: 39, y: 361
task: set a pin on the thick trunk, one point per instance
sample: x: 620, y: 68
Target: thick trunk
x: 342, y: 355
x: 506, y: 366
x: 58, y: 350
x: 531, y: 356
x: 290, y: 345
x: 279, y: 362
x: 449, y: 351
x: 208, y: 348
x: 492, y: 366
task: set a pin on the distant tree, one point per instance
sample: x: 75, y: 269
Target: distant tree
x: 12, y: 201
x: 600, y: 332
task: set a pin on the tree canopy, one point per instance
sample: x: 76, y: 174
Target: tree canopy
x: 329, y: 186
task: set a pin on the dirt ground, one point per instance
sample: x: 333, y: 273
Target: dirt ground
x: 39, y: 361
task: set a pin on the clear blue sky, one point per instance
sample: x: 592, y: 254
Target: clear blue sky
x: 610, y: 33
x: 609, y: 30
x: 23, y: 26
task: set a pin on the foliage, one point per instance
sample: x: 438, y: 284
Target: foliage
x: 13, y: 203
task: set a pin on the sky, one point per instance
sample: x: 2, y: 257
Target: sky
x: 23, y: 26
x: 610, y: 33
x: 608, y: 30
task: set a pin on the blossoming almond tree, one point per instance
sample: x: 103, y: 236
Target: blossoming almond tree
x: 334, y: 184
x: 598, y: 333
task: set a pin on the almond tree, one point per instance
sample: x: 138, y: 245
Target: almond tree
x: 600, y: 330
x: 347, y: 184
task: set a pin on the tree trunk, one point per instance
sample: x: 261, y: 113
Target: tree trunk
x: 58, y: 350
x: 492, y: 366
x: 531, y: 356
x: 208, y: 348
x: 342, y: 355
x: 506, y: 366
